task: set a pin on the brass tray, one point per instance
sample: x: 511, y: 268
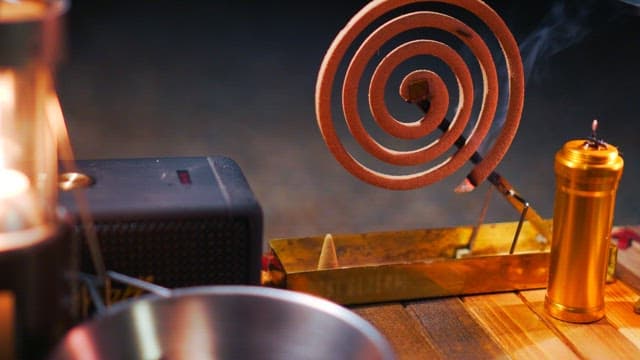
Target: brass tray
x: 402, y: 265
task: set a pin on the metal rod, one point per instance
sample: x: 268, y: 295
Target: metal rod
x: 496, y: 179
x: 518, y: 229
x: 519, y: 203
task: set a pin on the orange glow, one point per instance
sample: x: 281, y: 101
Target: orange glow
x: 24, y: 10
x: 7, y: 323
x: 7, y: 98
x: 28, y: 160
x: 13, y: 184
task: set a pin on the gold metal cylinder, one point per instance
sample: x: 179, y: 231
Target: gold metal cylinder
x: 587, y: 177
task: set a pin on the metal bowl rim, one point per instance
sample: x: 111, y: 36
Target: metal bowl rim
x: 306, y: 300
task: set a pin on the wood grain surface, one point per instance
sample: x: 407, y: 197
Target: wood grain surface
x: 513, y: 325
x: 408, y: 338
x: 453, y: 330
x: 520, y: 331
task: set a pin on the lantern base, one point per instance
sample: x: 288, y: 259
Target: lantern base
x: 36, y: 296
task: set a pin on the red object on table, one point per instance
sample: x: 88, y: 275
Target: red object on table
x: 625, y: 236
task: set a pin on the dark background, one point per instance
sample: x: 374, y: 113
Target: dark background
x: 145, y: 78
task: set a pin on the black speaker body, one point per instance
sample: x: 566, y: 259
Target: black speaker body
x: 177, y: 222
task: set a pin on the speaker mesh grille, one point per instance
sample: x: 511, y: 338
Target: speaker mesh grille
x: 176, y: 253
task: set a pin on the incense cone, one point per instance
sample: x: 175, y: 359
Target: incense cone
x: 328, y: 257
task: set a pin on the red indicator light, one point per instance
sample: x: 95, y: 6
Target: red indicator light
x: 184, y: 177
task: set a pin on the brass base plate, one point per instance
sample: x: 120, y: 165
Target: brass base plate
x: 403, y: 265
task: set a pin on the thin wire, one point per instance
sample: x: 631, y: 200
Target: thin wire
x: 65, y: 150
x: 140, y: 284
x: 483, y: 214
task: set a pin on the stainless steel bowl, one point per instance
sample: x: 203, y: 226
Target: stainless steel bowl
x: 226, y: 322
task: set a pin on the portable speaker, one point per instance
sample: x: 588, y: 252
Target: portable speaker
x: 176, y: 222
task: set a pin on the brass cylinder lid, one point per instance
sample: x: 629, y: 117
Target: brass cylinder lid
x: 586, y: 152
x: 592, y: 164
x: 592, y: 161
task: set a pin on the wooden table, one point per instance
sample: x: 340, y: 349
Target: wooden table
x: 513, y: 325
